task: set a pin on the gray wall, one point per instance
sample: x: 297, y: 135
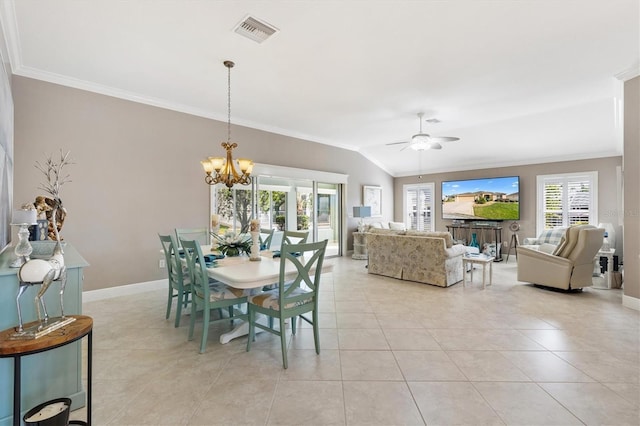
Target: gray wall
x: 137, y: 172
x: 607, y: 187
x: 632, y: 188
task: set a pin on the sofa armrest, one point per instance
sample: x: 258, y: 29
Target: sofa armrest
x: 455, y: 250
x: 543, y: 268
x: 542, y: 256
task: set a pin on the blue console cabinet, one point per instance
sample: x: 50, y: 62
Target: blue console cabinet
x: 52, y: 374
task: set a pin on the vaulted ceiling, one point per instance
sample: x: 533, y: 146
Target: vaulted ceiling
x: 518, y: 82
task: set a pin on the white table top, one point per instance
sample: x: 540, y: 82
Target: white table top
x: 240, y: 272
x: 479, y: 258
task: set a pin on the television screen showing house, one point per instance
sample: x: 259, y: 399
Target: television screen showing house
x: 482, y: 199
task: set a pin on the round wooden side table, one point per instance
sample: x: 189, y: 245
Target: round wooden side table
x: 16, y: 349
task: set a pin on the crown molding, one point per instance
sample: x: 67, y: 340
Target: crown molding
x: 631, y: 72
x: 165, y: 104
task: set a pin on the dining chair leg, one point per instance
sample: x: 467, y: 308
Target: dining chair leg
x: 178, y: 311
x: 316, y: 332
x: 192, y: 320
x: 205, y: 328
x: 293, y: 325
x: 283, y: 342
x: 251, y: 318
x: 169, y: 301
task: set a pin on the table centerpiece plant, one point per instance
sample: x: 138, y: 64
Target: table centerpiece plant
x: 232, y: 244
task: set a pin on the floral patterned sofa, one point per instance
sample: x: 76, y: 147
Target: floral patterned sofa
x: 425, y: 257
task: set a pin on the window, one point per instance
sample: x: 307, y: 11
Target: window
x: 418, y: 206
x: 567, y: 199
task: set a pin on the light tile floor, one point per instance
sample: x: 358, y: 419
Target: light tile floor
x: 393, y: 352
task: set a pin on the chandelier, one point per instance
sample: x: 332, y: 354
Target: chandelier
x: 223, y: 170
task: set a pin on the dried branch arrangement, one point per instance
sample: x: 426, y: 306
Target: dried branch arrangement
x: 53, y: 172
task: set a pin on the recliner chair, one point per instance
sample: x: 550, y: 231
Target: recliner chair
x: 569, y: 267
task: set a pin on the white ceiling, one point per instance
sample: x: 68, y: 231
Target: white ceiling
x: 519, y: 81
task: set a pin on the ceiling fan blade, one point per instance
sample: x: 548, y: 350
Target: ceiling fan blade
x: 408, y: 145
x: 396, y: 143
x: 444, y: 139
x: 435, y: 145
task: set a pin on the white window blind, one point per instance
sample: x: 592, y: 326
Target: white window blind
x: 567, y: 199
x: 418, y: 207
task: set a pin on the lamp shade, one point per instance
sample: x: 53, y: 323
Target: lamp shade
x: 362, y: 211
x: 29, y: 217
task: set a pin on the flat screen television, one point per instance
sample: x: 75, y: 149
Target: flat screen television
x: 492, y: 199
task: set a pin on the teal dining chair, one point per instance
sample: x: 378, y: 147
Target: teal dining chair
x: 199, y: 234
x: 207, y: 295
x: 295, y: 237
x: 291, y: 298
x: 179, y: 283
x: 265, y: 238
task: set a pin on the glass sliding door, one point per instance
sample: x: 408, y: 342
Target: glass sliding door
x: 328, y: 217
x: 284, y: 202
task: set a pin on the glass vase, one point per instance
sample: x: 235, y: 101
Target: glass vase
x: 474, y: 241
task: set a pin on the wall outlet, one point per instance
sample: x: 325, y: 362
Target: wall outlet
x: 162, y: 263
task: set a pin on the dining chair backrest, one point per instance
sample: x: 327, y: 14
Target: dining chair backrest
x: 170, y: 248
x: 295, y: 237
x: 175, y: 274
x: 201, y: 235
x: 197, y: 268
x: 309, y: 268
x: 265, y: 238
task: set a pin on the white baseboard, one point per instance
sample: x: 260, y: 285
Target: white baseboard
x: 631, y: 302
x: 123, y: 290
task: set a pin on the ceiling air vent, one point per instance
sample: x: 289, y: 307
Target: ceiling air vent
x: 255, y: 29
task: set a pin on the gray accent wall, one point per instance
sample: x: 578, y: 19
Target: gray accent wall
x: 137, y: 172
x: 632, y: 189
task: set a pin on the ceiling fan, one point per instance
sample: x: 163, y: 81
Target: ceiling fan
x: 423, y: 141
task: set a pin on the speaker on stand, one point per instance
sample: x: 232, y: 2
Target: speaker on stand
x: 514, y: 228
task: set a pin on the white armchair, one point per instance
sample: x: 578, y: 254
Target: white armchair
x: 569, y: 266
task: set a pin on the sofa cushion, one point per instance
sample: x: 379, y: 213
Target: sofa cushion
x: 448, y: 239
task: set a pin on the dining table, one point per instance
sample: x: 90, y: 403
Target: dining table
x: 243, y: 273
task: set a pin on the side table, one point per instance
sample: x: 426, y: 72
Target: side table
x: 607, y: 254
x: 481, y: 259
x: 360, y: 246
x: 16, y: 349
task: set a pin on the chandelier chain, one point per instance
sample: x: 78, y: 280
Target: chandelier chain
x: 228, y: 102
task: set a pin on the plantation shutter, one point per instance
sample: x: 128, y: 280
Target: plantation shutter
x: 553, y: 195
x: 567, y: 200
x: 419, y: 207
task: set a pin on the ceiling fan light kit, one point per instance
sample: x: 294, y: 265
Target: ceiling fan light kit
x: 423, y: 141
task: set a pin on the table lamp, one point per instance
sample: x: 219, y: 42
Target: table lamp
x: 361, y: 212
x: 23, y: 219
